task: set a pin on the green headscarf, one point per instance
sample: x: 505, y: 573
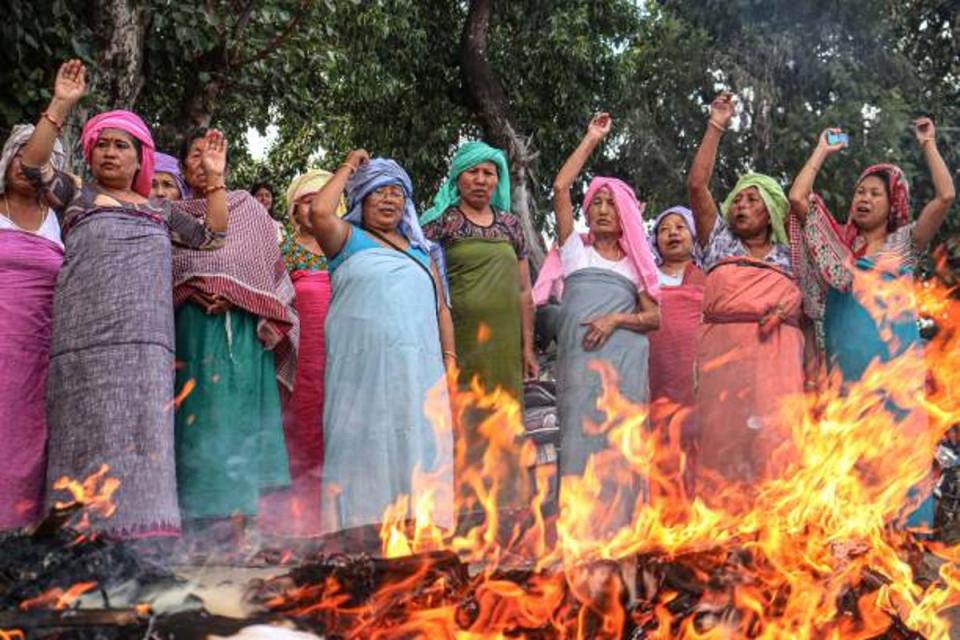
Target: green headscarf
x: 469, y: 155
x: 773, y: 197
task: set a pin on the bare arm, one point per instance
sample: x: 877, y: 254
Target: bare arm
x: 803, y: 184
x: 444, y: 322
x: 698, y: 180
x: 531, y: 366
x: 329, y: 230
x: 598, y: 128
x: 646, y: 317
x: 930, y: 219
x: 68, y: 89
x: 214, y: 164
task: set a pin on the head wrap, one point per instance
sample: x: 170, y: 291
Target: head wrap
x: 168, y: 164
x: 898, y: 189
x: 773, y: 198
x: 307, y: 184
x: 18, y: 138
x: 687, y: 217
x: 633, y: 241
x: 383, y: 172
x: 131, y: 123
x: 469, y: 155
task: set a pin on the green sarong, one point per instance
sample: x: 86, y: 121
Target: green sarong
x: 229, y: 433
x: 485, y: 295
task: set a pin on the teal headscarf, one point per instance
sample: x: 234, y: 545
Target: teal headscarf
x: 773, y: 197
x: 469, y: 155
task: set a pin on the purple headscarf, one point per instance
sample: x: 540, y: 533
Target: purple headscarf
x: 687, y: 216
x: 169, y: 164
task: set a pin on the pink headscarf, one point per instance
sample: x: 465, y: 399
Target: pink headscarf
x: 135, y: 126
x: 633, y: 241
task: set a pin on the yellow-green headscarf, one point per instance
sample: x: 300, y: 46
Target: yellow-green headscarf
x: 773, y: 197
x: 310, y: 182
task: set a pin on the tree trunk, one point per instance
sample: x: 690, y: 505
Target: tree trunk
x: 121, y: 25
x: 490, y: 104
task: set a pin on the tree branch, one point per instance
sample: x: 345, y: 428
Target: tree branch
x: 279, y: 38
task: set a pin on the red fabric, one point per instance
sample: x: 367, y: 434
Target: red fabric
x: 673, y: 346
x: 743, y: 374
x: 249, y: 272
x: 303, y: 411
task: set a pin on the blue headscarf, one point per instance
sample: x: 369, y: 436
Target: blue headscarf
x: 384, y: 172
x: 687, y: 216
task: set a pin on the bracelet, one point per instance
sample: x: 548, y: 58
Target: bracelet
x: 353, y: 169
x: 451, y: 354
x: 49, y: 118
x: 218, y: 187
x: 715, y: 125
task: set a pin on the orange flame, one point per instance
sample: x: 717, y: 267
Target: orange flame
x: 57, y: 598
x: 788, y: 550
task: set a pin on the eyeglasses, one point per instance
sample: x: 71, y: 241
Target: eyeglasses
x: 389, y: 191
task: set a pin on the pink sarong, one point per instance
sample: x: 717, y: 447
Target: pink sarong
x: 673, y: 351
x: 28, y: 275
x: 743, y: 373
x: 296, y: 511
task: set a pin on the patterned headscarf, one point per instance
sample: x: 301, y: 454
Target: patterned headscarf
x: 309, y: 183
x: 898, y: 189
x: 773, y: 198
x: 687, y: 217
x: 469, y: 155
x: 135, y: 126
x: 168, y: 164
x: 18, y: 138
x: 383, y: 172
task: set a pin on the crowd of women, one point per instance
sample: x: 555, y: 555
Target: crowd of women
x: 152, y: 321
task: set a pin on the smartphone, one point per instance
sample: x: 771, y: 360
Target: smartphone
x: 837, y: 138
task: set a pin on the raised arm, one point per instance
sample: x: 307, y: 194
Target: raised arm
x: 597, y: 130
x: 329, y: 230
x: 803, y: 184
x: 214, y: 161
x: 68, y: 89
x: 698, y: 180
x: 944, y: 194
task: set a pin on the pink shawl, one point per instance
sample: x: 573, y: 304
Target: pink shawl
x: 249, y: 272
x: 633, y: 241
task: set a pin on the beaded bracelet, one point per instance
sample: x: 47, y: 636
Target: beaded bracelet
x: 716, y: 126
x: 210, y: 190
x: 49, y: 118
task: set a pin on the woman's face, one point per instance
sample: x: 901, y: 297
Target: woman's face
x: 14, y: 180
x: 114, y: 160
x: 301, y: 211
x: 748, y: 214
x: 164, y: 187
x: 871, y: 206
x: 264, y: 197
x: 477, y: 185
x: 193, y: 173
x: 602, y: 215
x: 674, y: 240
x: 383, y: 207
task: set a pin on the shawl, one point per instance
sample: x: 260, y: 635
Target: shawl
x: 687, y: 217
x: 773, y: 197
x: 168, y: 164
x: 135, y: 126
x: 633, y: 241
x: 469, y: 155
x: 307, y: 184
x: 249, y: 272
x: 19, y: 136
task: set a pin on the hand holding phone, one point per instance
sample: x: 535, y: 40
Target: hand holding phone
x: 837, y: 137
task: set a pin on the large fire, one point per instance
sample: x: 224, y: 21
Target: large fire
x: 816, y: 550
